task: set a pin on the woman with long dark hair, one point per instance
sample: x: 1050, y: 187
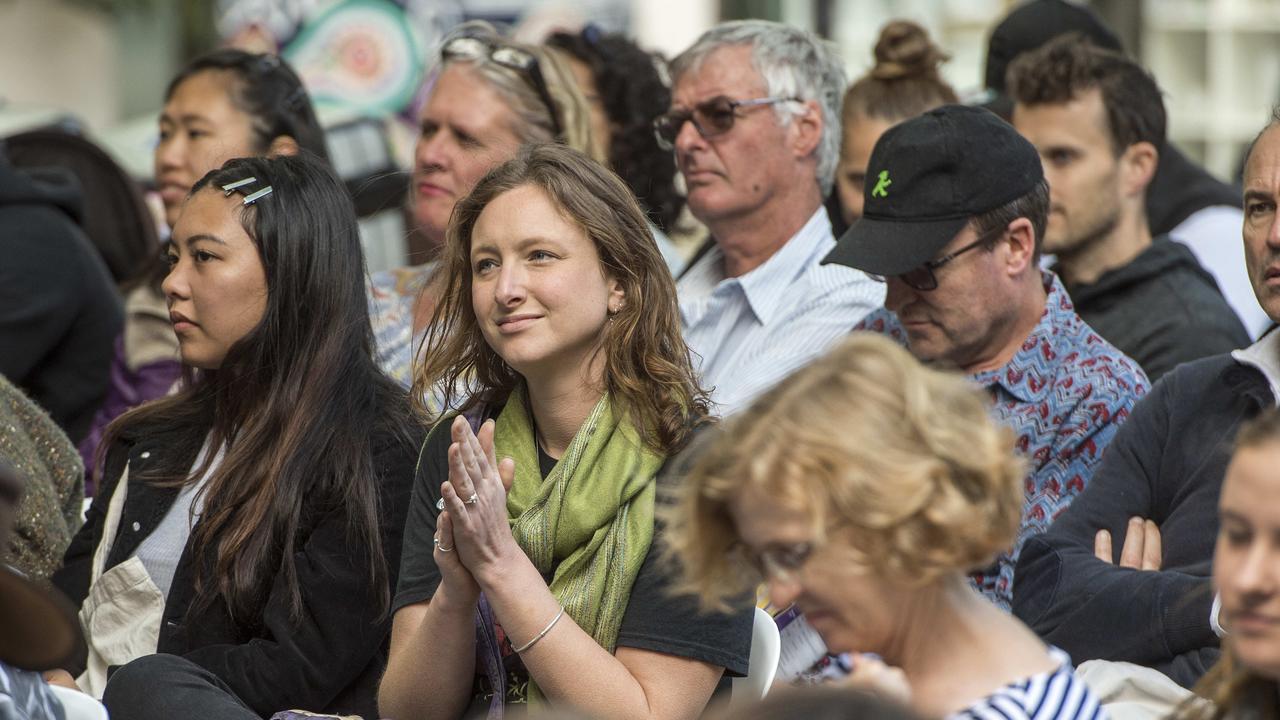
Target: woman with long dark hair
x: 248, y: 527
x: 560, y: 329
x: 225, y: 104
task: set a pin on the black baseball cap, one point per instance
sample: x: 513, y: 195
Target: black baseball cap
x: 927, y: 177
x: 1030, y: 26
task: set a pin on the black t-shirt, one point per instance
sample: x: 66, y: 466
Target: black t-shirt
x: 654, y: 620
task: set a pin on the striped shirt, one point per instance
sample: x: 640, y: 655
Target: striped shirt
x: 1054, y: 695
x: 749, y: 332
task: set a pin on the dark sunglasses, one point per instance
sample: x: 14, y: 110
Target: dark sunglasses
x: 522, y: 61
x: 710, y: 118
x: 922, y: 278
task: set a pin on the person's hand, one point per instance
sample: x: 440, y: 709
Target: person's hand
x: 870, y: 674
x: 1141, y: 549
x: 454, y: 576
x: 475, y: 498
x: 61, y: 678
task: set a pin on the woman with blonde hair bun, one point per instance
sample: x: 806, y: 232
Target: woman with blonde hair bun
x: 872, y: 486
x: 904, y: 82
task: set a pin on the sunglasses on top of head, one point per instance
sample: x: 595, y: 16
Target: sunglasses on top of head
x: 514, y: 58
x: 713, y: 117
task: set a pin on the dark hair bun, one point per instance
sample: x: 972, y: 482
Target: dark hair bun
x: 904, y: 50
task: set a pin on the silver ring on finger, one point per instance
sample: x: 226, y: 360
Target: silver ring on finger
x: 440, y: 504
x: 473, y: 499
x: 440, y: 547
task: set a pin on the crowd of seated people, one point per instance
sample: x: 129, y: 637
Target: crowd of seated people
x: 962, y: 393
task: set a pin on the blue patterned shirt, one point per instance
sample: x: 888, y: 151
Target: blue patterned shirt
x: 1064, y: 394
x: 392, y: 296
x: 24, y: 695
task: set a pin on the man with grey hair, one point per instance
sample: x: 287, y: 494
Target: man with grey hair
x: 754, y: 123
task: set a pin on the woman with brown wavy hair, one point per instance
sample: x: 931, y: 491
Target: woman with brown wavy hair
x: 870, y: 485
x: 535, y: 578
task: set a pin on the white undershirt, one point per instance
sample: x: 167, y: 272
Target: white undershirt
x: 162, y: 549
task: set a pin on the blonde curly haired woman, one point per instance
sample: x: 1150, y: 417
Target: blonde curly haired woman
x: 872, y: 486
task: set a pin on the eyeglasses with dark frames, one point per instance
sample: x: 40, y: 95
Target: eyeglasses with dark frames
x: 713, y: 117
x: 781, y: 563
x: 923, y: 277
x: 514, y: 58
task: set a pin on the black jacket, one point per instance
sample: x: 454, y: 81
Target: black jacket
x: 59, y: 309
x: 329, y: 662
x: 1162, y: 309
x: 1165, y: 464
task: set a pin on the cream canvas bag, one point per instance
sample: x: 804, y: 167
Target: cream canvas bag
x: 121, y: 615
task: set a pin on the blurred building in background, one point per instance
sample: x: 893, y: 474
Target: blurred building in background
x: 100, y: 66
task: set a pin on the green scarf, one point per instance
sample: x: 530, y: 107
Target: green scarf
x: 589, y: 523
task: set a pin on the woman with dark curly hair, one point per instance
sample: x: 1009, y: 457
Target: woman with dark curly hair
x: 626, y: 91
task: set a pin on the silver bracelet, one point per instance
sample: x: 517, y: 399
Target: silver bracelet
x: 542, y: 634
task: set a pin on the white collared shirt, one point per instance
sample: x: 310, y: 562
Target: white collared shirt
x: 749, y: 332
x: 1265, y: 356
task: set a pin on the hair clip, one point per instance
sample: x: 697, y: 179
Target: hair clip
x: 231, y: 187
x: 258, y: 194
x: 226, y: 189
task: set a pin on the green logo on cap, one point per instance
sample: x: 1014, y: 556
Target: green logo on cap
x: 882, y: 185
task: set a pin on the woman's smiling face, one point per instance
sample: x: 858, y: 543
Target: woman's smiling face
x: 538, y: 288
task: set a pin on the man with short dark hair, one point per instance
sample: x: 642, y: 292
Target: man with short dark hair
x: 1183, y: 200
x: 1098, y: 121
x: 953, y: 223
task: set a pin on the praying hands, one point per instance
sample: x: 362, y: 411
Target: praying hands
x: 473, y: 534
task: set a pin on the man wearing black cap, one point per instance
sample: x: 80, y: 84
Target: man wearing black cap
x: 1183, y: 200
x: 1098, y: 120
x: 955, y: 210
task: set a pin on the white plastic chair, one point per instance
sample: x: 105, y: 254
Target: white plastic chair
x: 78, y: 706
x: 766, y: 649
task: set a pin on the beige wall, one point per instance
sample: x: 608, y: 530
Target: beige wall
x: 62, y: 57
